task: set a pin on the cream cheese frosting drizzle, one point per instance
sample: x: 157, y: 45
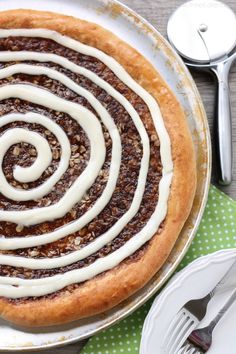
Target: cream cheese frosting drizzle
x: 92, y: 127
x: 43, y: 159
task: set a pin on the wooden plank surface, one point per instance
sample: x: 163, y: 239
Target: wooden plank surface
x: 157, y: 13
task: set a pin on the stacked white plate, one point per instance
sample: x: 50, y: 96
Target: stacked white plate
x: 195, y: 281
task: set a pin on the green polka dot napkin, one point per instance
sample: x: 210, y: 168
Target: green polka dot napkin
x: 217, y: 231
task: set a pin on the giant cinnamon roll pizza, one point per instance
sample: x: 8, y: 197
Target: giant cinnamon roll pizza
x: 97, y: 169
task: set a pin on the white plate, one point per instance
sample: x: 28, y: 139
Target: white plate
x: 136, y: 31
x: 195, y: 281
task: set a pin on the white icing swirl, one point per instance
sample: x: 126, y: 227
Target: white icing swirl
x: 93, y: 129
x: 88, y: 121
x: 43, y: 160
x: 33, y: 172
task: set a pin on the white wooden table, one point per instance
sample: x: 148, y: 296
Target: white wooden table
x: 157, y: 13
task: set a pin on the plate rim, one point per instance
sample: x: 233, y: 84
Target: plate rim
x: 196, y: 265
x: 207, y: 179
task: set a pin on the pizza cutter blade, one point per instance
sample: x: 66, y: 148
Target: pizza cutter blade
x: 203, y: 32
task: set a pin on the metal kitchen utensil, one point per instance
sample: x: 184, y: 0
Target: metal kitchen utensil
x: 204, y: 33
x: 202, y: 337
x: 190, y: 315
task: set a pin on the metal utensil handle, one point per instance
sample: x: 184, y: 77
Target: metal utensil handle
x: 223, y: 310
x: 223, y: 124
x: 203, y: 336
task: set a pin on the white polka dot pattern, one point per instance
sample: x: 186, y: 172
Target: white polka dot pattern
x: 217, y: 231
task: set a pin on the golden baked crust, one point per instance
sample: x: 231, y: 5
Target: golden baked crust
x: 119, y: 283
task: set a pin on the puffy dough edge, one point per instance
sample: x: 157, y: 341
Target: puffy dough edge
x: 107, y: 290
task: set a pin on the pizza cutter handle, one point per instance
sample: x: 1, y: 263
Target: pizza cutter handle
x: 223, y: 124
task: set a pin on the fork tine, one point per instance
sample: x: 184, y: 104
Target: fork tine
x: 188, y: 349
x: 184, y: 350
x: 192, y: 350
x: 183, y: 334
x: 173, y: 324
x: 172, y: 335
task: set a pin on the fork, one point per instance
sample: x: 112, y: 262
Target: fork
x: 184, y: 322
x: 202, y: 337
x: 187, y: 319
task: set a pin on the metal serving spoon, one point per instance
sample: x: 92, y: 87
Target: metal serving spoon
x: 204, y: 33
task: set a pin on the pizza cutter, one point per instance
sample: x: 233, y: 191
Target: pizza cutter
x: 203, y: 32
